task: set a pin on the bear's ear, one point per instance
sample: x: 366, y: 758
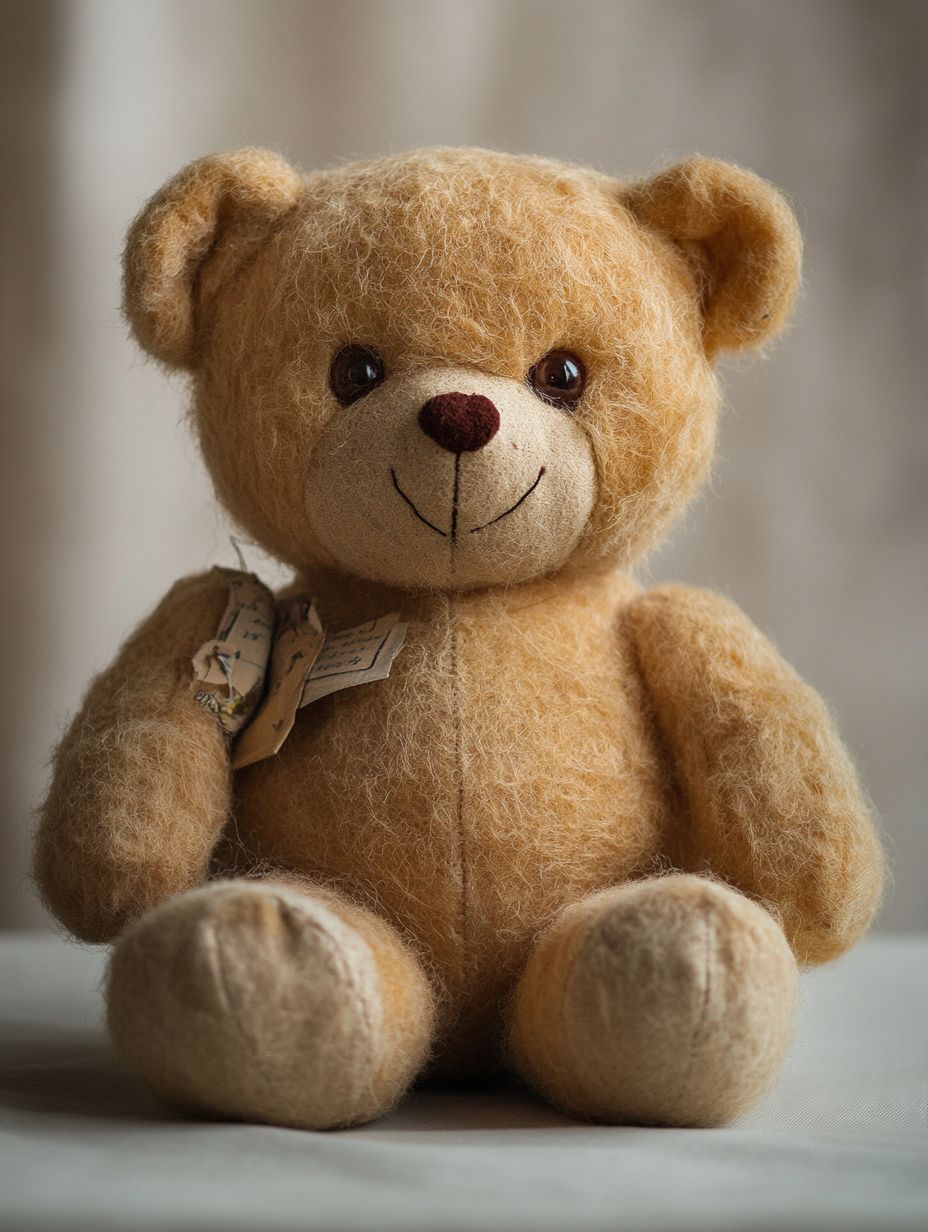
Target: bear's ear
x: 741, y: 239
x: 190, y: 238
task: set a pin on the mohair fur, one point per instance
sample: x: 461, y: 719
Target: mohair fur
x: 142, y: 785
x: 551, y: 735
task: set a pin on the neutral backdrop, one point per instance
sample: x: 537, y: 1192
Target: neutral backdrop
x: 815, y: 522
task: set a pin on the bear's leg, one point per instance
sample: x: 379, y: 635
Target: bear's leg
x: 661, y: 1002
x: 270, y: 1001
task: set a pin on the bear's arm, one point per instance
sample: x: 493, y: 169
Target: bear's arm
x: 772, y: 801
x: 141, y: 781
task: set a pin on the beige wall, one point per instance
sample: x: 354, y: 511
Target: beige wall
x: 816, y: 521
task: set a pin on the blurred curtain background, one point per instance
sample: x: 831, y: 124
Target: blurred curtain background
x: 816, y: 518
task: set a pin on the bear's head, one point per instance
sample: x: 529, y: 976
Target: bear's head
x: 455, y: 368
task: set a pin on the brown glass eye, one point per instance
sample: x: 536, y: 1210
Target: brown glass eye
x: 559, y: 378
x: 355, y: 371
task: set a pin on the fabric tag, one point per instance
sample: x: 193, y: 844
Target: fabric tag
x: 288, y: 650
x: 229, y: 669
x: 297, y: 643
x: 355, y: 656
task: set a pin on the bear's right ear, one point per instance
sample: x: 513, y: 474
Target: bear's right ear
x: 214, y: 214
x: 741, y: 240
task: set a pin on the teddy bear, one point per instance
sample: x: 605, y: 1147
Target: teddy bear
x: 584, y: 832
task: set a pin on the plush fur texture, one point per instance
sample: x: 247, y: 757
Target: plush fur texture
x: 142, y: 787
x: 550, y: 736
x: 469, y: 260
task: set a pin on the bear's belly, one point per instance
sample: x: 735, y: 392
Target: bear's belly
x: 501, y: 771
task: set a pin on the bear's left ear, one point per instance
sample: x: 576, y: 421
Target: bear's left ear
x: 191, y: 237
x: 741, y: 239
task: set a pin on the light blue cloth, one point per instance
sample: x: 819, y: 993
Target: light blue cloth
x: 842, y: 1143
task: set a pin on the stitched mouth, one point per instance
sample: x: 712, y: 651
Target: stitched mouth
x: 409, y: 502
x: 512, y: 508
x: 454, y: 512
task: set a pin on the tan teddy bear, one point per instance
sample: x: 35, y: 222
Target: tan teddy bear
x: 583, y: 831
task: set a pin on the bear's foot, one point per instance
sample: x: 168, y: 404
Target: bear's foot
x: 661, y: 1002
x: 258, y: 1001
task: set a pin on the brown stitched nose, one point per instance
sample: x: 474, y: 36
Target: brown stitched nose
x: 459, y: 423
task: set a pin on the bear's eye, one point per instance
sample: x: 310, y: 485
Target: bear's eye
x: 355, y: 371
x: 558, y: 377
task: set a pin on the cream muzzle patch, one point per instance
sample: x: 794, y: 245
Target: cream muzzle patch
x: 409, y: 498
